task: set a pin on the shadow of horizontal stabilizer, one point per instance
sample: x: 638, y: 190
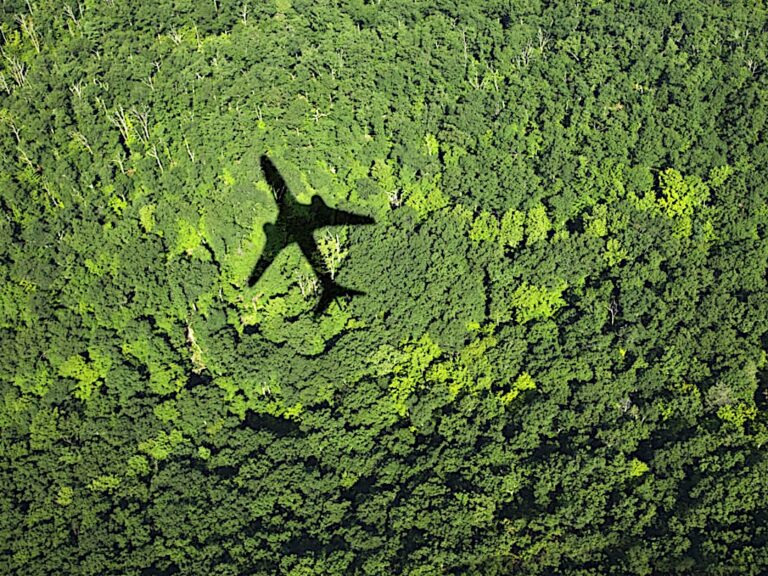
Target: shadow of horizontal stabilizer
x: 332, y: 292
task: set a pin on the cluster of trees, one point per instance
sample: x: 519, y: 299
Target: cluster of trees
x: 559, y: 361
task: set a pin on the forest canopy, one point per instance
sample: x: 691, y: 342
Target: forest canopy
x: 557, y: 364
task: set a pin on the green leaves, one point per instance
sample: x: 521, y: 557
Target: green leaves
x: 188, y: 241
x: 511, y: 232
x: 637, y: 468
x: 87, y: 372
x: 160, y: 447
x: 521, y: 384
x: 409, y: 373
x: 485, y: 228
x: 537, y: 224
x: 64, y: 496
x: 165, y: 380
x: 138, y: 465
x: 104, y: 483
x: 147, y: 217
x: 536, y: 303
x: 425, y: 196
x: 614, y: 253
x: 680, y: 196
x: 43, y: 430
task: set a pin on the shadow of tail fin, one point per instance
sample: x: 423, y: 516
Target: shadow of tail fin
x: 331, y: 292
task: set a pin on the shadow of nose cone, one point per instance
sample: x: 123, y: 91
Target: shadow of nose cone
x: 266, y: 164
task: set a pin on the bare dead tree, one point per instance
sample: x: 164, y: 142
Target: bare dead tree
x: 77, y: 88
x: 175, y: 37
x: 101, y: 104
x: 18, y: 70
x: 81, y: 139
x: 119, y: 118
x: 473, y: 76
x: 395, y: 199
x: 119, y: 160
x: 308, y: 284
x: 6, y: 119
x: 624, y: 404
x: 28, y: 29
x: 495, y: 76
x: 142, y: 117
x: 332, y: 252
x: 69, y: 13
x: 152, y: 153
x: 195, y: 350
x: 317, y: 115
x: 52, y: 197
x: 25, y: 159
x: 189, y: 151
x: 524, y: 58
x: 543, y: 39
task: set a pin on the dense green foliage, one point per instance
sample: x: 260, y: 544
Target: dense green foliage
x: 559, y: 364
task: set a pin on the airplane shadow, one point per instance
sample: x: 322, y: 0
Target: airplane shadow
x: 296, y: 223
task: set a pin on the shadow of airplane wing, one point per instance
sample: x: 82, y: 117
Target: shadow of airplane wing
x: 343, y: 218
x: 324, y: 215
x: 276, y: 241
